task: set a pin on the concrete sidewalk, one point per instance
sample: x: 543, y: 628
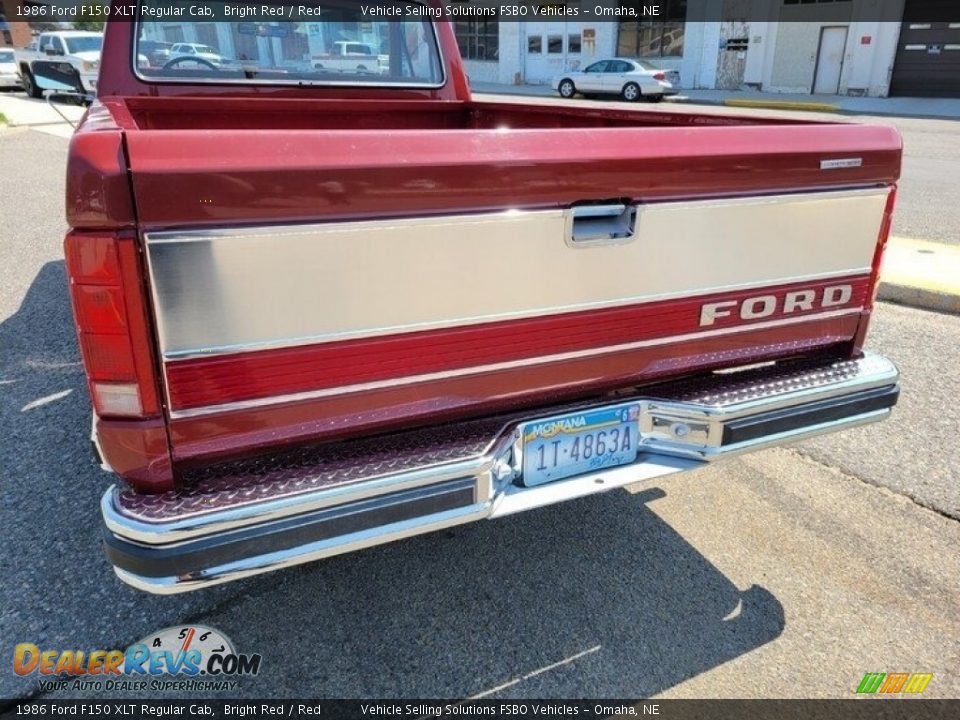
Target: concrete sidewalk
x: 944, y: 108
x: 22, y: 111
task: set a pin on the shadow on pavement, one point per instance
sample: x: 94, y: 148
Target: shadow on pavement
x: 601, y: 583
x: 600, y: 591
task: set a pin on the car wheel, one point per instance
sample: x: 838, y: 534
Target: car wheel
x: 566, y: 88
x: 30, y: 85
x: 631, y: 92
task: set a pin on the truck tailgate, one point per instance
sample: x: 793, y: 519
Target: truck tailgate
x: 316, y: 284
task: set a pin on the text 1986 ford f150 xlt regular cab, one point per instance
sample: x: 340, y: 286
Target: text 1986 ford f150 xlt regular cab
x: 320, y: 312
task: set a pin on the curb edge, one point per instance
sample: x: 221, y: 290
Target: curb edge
x: 920, y: 298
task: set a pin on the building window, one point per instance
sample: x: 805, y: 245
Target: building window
x: 554, y: 44
x: 478, y: 39
x: 573, y: 43
x: 173, y: 33
x: 535, y: 44
x: 657, y: 38
x: 294, y: 44
x: 207, y: 35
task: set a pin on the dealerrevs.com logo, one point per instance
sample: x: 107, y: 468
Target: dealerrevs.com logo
x: 190, y: 657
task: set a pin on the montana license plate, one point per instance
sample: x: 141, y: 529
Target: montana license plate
x: 568, y: 445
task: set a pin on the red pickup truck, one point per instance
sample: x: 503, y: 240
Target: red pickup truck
x: 321, y: 312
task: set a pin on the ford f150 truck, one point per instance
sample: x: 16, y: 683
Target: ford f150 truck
x: 76, y: 48
x: 321, y: 314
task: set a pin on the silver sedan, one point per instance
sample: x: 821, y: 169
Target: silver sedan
x: 9, y: 75
x: 630, y: 79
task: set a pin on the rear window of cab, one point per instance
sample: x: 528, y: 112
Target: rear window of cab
x: 348, y: 48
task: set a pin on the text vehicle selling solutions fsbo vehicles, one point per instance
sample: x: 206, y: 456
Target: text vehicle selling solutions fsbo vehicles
x: 321, y: 309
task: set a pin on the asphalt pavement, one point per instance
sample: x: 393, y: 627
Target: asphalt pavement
x: 788, y: 573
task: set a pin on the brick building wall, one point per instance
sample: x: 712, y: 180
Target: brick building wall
x: 13, y: 32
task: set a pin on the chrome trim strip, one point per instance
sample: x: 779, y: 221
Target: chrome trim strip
x: 227, y: 350
x: 296, y: 556
x: 704, y: 423
x: 298, y: 83
x: 513, y: 498
x: 494, y: 367
x: 729, y: 451
x: 151, y: 533
x: 223, y: 290
x: 244, y: 515
x: 273, y: 231
x: 95, y: 439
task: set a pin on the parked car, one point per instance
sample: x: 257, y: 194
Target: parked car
x: 349, y: 310
x: 632, y: 80
x: 77, y: 48
x: 351, y: 57
x: 156, y: 52
x: 673, y: 77
x: 182, y: 53
x: 9, y: 77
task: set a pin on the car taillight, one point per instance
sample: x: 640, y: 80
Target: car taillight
x: 659, y: 76
x: 110, y: 314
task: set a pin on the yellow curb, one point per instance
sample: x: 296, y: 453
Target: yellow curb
x: 923, y: 274
x: 922, y: 264
x: 782, y: 105
x: 919, y: 298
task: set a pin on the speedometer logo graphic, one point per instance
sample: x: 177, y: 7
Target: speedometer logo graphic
x: 184, y: 638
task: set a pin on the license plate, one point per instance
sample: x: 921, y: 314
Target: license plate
x: 568, y: 445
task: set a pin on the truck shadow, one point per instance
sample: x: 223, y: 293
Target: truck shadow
x: 594, y: 598
x: 598, y: 597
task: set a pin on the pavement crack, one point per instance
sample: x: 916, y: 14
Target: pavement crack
x: 916, y: 500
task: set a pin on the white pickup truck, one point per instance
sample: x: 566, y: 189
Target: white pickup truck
x: 351, y: 57
x: 77, y: 48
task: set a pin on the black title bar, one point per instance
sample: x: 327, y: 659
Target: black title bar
x: 591, y: 11
x: 853, y: 709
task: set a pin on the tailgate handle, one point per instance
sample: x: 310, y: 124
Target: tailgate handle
x: 600, y: 224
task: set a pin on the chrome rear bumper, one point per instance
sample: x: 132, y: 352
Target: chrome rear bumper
x: 250, y: 517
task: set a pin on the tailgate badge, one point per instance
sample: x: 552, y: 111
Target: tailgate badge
x: 841, y: 163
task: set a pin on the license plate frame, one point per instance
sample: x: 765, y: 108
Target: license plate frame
x: 550, y: 451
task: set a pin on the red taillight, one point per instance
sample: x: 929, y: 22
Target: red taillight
x: 110, y: 313
x: 659, y: 76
